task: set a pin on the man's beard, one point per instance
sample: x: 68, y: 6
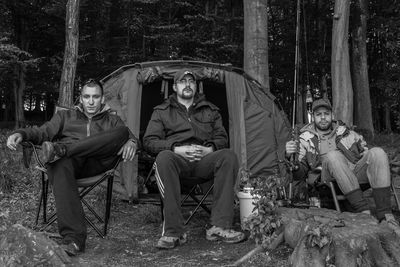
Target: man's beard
x: 187, y: 93
x: 324, y: 127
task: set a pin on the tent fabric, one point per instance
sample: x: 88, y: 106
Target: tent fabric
x: 235, y: 92
x: 258, y: 127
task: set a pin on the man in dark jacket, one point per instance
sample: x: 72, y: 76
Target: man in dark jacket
x: 339, y: 153
x: 186, y: 132
x: 78, y: 143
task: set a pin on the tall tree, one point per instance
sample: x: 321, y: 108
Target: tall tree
x: 70, y: 54
x: 22, y: 40
x: 362, y: 100
x: 256, y: 40
x: 342, y: 91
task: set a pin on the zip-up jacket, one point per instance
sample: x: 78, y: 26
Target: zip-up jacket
x: 350, y: 143
x: 171, y: 125
x: 70, y: 125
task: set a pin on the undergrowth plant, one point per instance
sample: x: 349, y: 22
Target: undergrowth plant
x: 264, y: 221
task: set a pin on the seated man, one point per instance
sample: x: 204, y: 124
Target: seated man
x: 89, y: 140
x: 186, y: 132
x: 343, y: 156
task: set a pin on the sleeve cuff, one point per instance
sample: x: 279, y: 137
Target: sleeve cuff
x: 22, y: 133
x: 175, y: 145
x: 211, y: 144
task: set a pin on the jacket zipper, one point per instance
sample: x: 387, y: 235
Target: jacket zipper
x: 88, y: 127
x: 188, y: 115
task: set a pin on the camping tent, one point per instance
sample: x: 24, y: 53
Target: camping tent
x: 258, y: 127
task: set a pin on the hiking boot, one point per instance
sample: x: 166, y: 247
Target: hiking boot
x: 71, y: 247
x: 226, y: 235
x: 392, y: 223
x: 169, y: 242
x: 52, y: 152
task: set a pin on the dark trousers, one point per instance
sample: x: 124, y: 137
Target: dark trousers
x: 172, y: 170
x: 88, y: 157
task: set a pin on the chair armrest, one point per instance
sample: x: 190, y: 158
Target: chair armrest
x: 28, y: 148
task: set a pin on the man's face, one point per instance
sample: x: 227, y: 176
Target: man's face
x: 91, y: 100
x: 323, y: 118
x: 185, y: 88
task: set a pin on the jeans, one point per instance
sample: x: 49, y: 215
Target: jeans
x: 372, y: 168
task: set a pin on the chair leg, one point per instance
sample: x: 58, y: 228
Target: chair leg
x: 108, y: 203
x: 200, y: 204
x: 38, y: 209
x: 334, y: 196
x: 94, y: 227
x: 92, y: 210
x: 45, y: 198
x: 189, y: 194
x: 51, y: 220
x: 162, y: 209
x: 396, y: 197
x: 42, y: 201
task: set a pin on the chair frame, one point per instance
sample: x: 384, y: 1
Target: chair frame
x: 191, y: 194
x: 85, y: 185
x: 340, y: 197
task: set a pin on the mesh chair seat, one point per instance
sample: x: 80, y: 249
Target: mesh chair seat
x: 88, y: 181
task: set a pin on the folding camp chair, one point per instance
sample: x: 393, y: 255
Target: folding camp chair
x: 85, y: 186
x: 192, y: 184
x: 337, y: 195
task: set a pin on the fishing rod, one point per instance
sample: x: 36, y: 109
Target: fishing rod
x: 293, y: 160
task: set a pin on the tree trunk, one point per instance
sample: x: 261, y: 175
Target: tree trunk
x: 342, y: 91
x: 22, y: 38
x: 324, y: 86
x: 19, y: 88
x: 362, y: 100
x: 388, y: 124
x: 70, y: 54
x: 256, y: 40
x: 322, y: 237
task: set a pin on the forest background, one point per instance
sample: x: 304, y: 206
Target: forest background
x: 119, y: 32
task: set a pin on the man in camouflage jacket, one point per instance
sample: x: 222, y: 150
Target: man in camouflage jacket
x: 338, y: 153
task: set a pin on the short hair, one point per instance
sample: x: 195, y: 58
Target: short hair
x: 93, y: 83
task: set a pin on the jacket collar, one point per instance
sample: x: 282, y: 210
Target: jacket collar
x: 311, y: 128
x: 104, y: 108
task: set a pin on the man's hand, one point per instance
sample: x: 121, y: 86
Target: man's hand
x: 201, y: 151
x: 292, y: 147
x: 193, y: 152
x: 128, y: 150
x: 185, y: 151
x: 13, y: 140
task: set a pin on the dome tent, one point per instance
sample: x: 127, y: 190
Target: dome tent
x: 256, y: 124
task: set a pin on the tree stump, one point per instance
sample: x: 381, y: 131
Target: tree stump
x: 322, y: 237
x: 20, y: 246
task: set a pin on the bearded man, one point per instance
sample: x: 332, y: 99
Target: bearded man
x: 338, y: 153
x: 187, y: 134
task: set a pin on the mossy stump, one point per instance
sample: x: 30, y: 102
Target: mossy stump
x: 322, y: 237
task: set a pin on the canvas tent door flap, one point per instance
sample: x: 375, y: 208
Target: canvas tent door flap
x: 257, y: 126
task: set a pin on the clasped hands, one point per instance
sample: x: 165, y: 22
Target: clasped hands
x: 193, y: 152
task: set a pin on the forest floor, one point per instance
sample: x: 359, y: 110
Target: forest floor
x: 133, y: 232
x: 135, y: 228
